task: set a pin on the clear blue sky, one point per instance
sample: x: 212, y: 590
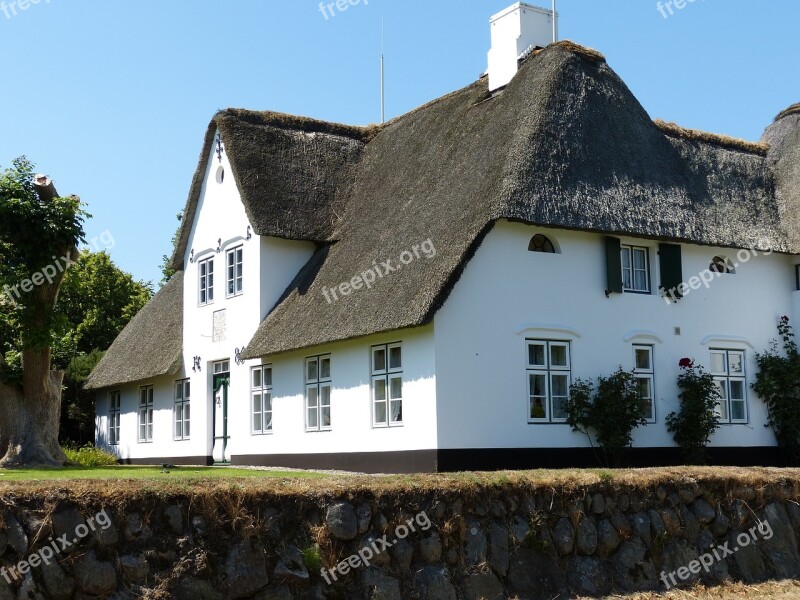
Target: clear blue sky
x: 112, y: 98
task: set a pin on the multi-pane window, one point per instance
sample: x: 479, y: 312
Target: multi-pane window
x: 548, y: 380
x: 644, y: 373
x: 182, y: 409
x: 206, y: 269
x: 113, y: 417
x: 261, y: 393
x: 222, y: 367
x: 235, y: 272
x: 728, y: 369
x: 387, y: 385
x: 146, y: 414
x: 635, y: 269
x: 318, y: 393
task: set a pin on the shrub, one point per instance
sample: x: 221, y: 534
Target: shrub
x: 89, y: 456
x: 697, y: 419
x: 778, y: 385
x: 613, y: 413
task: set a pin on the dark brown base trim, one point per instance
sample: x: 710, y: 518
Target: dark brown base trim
x: 169, y: 460
x: 409, y: 461
x: 493, y: 459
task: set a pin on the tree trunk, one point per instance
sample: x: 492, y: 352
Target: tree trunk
x: 30, y: 415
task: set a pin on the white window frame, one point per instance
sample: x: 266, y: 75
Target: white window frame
x: 318, y: 384
x: 234, y: 272
x: 261, y: 387
x: 114, y: 408
x: 205, y: 281
x: 182, y: 410
x: 725, y: 378
x: 549, y: 371
x: 145, y: 412
x: 221, y: 367
x: 631, y: 270
x: 648, y: 374
x: 383, y: 376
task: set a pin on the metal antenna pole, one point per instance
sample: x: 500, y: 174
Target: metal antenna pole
x: 555, y: 26
x: 383, y: 78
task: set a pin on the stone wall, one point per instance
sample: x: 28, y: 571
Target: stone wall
x: 477, y: 542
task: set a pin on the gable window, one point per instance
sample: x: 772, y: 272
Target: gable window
x: 206, y: 270
x: 635, y: 269
x: 234, y: 272
x: 644, y: 373
x: 548, y: 380
x: 261, y: 394
x: 114, y: 401
x: 722, y: 265
x: 182, y: 409
x: 728, y: 369
x: 387, y: 385
x: 541, y: 243
x: 318, y: 393
x: 146, y: 413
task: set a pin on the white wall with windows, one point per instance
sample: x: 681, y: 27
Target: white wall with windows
x: 368, y: 395
x: 150, y: 419
x: 520, y: 323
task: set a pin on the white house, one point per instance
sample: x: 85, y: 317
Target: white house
x: 418, y: 296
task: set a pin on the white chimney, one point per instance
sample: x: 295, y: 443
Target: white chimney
x: 515, y: 32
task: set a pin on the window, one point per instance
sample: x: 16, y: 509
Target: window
x: 722, y: 265
x: 644, y: 373
x: 113, y: 418
x: 222, y: 367
x: 234, y: 262
x: 261, y: 394
x: 548, y: 380
x: 797, y: 276
x: 728, y: 369
x: 387, y: 385
x: 318, y: 393
x: 146, y: 414
x: 182, y: 409
x: 541, y: 243
x: 206, y: 268
x: 635, y: 269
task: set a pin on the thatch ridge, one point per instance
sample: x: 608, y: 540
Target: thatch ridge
x: 150, y: 346
x: 792, y: 110
x: 705, y: 137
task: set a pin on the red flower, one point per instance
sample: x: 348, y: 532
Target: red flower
x: 686, y: 363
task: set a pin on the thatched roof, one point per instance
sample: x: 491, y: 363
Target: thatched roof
x: 783, y: 158
x: 292, y: 172
x: 564, y: 145
x: 150, y: 345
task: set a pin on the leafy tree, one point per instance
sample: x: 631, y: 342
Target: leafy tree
x: 697, y: 420
x: 613, y: 411
x: 39, y: 232
x: 778, y: 385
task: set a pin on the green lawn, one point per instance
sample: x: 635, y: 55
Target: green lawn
x: 155, y: 473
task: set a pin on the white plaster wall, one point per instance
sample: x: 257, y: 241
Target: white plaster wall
x: 351, y: 407
x: 164, y: 443
x: 508, y: 294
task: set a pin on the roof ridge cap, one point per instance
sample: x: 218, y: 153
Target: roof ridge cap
x: 720, y: 139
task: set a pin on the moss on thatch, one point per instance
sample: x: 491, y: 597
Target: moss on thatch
x: 589, y: 54
x: 725, y: 141
x: 304, y: 124
x: 794, y: 109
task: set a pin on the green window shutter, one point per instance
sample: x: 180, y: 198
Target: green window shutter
x: 669, y: 256
x: 613, y: 266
